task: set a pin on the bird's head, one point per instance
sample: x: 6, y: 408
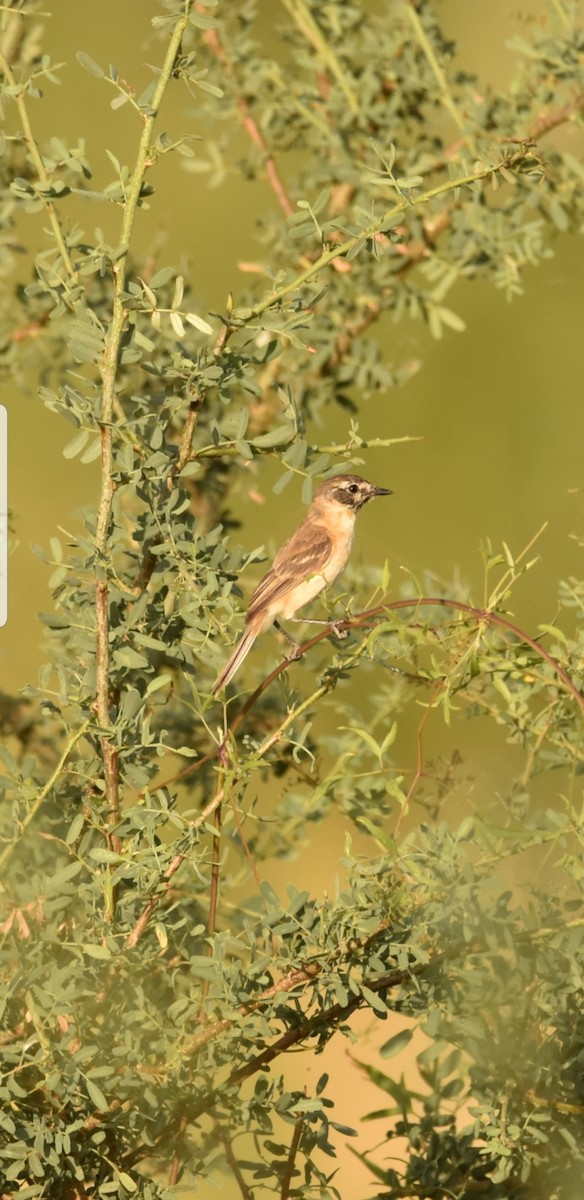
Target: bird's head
x: 349, y: 490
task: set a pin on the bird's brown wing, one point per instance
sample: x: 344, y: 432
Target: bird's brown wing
x: 305, y: 554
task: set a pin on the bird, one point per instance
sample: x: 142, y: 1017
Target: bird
x: 312, y: 558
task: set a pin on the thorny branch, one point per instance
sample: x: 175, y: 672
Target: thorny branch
x: 109, y: 372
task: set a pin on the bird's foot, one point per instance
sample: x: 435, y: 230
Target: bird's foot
x: 295, y: 650
x: 293, y: 653
x: 338, y: 629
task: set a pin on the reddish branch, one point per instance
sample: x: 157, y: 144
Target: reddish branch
x: 251, y: 126
x: 290, y: 1161
x: 548, y: 121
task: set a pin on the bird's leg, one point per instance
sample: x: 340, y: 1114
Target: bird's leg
x: 297, y: 650
x: 335, y: 627
x: 306, y: 621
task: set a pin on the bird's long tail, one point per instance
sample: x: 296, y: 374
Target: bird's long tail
x: 243, y: 647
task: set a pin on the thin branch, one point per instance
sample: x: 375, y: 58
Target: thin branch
x: 311, y: 30
x: 405, y: 204
x: 491, y: 618
x: 171, y: 870
x: 419, y: 771
x: 319, y: 1023
x: 214, y: 888
x: 44, y: 792
x: 109, y: 377
x: 234, y: 1166
x: 362, y: 619
x: 229, y: 449
x: 290, y: 1161
x: 438, y: 73
x: 322, y: 1022
x: 558, y: 116
x: 186, y: 441
x: 250, y: 125
x: 40, y: 168
x: 177, y: 1156
x: 368, y: 618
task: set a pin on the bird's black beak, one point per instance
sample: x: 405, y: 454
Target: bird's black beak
x: 382, y: 491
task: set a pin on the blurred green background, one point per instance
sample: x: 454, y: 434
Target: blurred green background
x: 498, y: 408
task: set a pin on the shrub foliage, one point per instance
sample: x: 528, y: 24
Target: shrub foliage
x: 153, y: 984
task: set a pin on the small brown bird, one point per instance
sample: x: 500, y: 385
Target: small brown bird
x: 309, y: 561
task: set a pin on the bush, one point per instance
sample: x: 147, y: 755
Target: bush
x: 153, y: 984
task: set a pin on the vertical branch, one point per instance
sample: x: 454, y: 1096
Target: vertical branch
x: 215, y: 862
x: 289, y: 1168
x: 186, y: 441
x: 307, y: 25
x: 438, y: 74
x: 251, y: 126
x: 234, y: 1165
x: 173, y: 1174
x: 171, y: 870
x: 109, y: 371
x: 39, y: 166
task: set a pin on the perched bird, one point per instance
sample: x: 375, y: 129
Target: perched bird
x: 309, y: 561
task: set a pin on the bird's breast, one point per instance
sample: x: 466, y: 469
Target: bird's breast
x: 341, y: 527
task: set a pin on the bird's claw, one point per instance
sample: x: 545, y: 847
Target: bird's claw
x: 293, y: 653
x: 338, y: 629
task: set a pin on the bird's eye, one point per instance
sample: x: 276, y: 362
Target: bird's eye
x: 353, y: 489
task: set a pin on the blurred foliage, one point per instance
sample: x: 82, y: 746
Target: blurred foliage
x: 143, y: 1002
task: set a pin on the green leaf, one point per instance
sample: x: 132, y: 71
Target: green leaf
x: 161, y: 277
x: 76, y: 444
x: 279, y: 436
x: 96, y: 1095
x: 89, y: 64
x: 94, y: 950
x: 198, y: 323
x: 372, y: 998
x: 53, y: 621
x: 56, y: 549
x: 396, y: 1044
x: 127, y: 1182
x: 75, y: 829
x: 93, y: 451
x: 101, y: 854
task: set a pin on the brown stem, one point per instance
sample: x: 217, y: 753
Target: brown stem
x: 177, y: 1156
x: 234, y: 1166
x: 30, y: 331
x: 102, y: 708
x: 367, y: 618
x: 289, y: 1168
x: 171, y: 870
x: 419, y: 771
x: 551, y: 120
x: 251, y: 126
x: 362, y: 620
x: 215, y: 869
x: 320, y: 1022
x: 42, y: 174
x: 184, y: 449
x: 109, y: 375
